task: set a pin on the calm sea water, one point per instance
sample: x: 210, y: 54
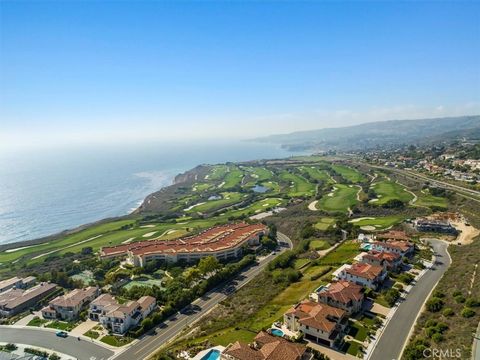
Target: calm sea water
x: 44, y: 192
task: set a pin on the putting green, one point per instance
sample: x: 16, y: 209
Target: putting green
x: 340, y: 199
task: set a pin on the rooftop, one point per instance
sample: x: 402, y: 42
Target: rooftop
x: 343, y: 291
x: 318, y: 316
x: 210, y: 240
x: 266, y: 347
x: 14, y: 297
x: 365, y: 271
x: 75, y: 297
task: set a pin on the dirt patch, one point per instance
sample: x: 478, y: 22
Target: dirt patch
x: 467, y: 233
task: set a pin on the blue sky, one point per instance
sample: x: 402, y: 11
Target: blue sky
x: 119, y: 71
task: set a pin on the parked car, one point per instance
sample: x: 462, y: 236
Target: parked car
x: 63, y: 334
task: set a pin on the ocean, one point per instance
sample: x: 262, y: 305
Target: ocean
x: 43, y: 192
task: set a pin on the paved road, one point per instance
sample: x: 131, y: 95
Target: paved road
x: 390, y: 344
x: 82, y: 350
x: 476, y: 345
x: 174, y: 325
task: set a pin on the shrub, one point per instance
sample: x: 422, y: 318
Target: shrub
x: 467, y: 312
x: 437, y: 337
x: 471, y: 302
x: 448, y: 312
x: 438, y: 294
x: 456, y: 293
x: 430, y: 331
x: 459, y: 299
x: 441, y: 327
x: 391, y: 296
x: 435, y: 304
x: 431, y: 323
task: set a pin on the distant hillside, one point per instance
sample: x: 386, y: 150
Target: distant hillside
x: 379, y: 134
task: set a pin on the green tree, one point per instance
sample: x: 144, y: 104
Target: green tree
x: 208, y: 265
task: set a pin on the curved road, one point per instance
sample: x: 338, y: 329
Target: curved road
x: 82, y: 350
x: 391, y: 342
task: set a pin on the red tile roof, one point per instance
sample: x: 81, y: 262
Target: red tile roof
x: 343, y: 291
x: 395, y: 235
x: 318, y: 316
x: 394, y: 244
x: 382, y: 255
x: 267, y: 347
x: 365, y: 271
x: 210, y: 240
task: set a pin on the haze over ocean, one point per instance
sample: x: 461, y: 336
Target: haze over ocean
x: 44, y: 192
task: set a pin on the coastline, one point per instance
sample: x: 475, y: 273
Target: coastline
x: 180, y: 178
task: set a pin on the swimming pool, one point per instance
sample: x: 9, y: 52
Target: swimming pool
x: 366, y: 247
x: 212, y: 355
x: 277, y: 332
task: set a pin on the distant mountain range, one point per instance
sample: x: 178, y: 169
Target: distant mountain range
x: 380, y: 134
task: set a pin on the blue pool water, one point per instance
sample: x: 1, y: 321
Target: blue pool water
x: 259, y: 189
x: 367, y: 247
x: 212, y: 355
x: 277, y: 332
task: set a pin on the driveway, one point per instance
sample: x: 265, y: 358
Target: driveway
x: 82, y: 350
x: 391, y: 342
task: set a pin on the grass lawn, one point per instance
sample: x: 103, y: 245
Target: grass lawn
x: 36, y: 321
x: 342, y: 254
x: 92, y: 334
x: 389, y: 190
x: 299, y: 263
x: 259, y: 173
x: 272, y: 185
x: 380, y: 222
x: 340, y: 199
x: 218, y: 172
x: 233, y: 177
x: 201, y: 187
x: 116, y: 340
x: 317, y: 174
x: 349, y: 173
x: 228, y: 198
x: 299, y: 186
x: 357, y: 331
x: 324, y: 223
x: 255, y: 208
x: 231, y: 335
x: 427, y: 200
x: 351, y: 348
x: 61, y: 325
x: 319, y: 245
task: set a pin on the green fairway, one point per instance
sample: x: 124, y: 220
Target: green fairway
x: 428, y: 200
x: 255, y: 208
x: 324, y: 223
x: 259, y: 173
x: 233, y: 178
x: 349, y: 173
x: 317, y: 174
x: 340, y: 199
x: 388, y: 190
x: 201, y: 187
x: 299, y: 186
x: 227, y: 198
x: 379, y: 223
x: 218, y: 172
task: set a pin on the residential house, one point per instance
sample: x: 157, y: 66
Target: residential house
x: 14, y: 301
x: 367, y: 275
x: 389, y: 260
x: 342, y: 294
x: 16, y: 282
x: 434, y: 225
x: 402, y: 248
x: 68, y: 307
x: 266, y: 347
x: 320, y: 323
x: 119, y: 318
